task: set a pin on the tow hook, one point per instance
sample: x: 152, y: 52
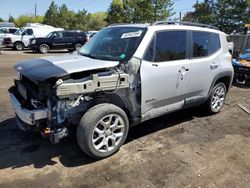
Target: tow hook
x: 55, y: 135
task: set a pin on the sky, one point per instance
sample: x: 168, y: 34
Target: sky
x: 23, y: 7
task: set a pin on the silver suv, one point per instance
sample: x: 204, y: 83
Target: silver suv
x: 125, y: 75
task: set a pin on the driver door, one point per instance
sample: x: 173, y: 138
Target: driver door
x: 165, y: 74
x: 26, y: 36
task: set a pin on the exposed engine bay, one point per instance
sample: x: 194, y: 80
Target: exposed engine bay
x: 57, y: 104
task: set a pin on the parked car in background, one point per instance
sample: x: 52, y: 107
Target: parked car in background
x: 242, y: 68
x: 21, y: 38
x: 7, y: 24
x: 7, y: 30
x: 71, y: 40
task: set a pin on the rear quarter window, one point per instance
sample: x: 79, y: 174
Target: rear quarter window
x: 205, y: 43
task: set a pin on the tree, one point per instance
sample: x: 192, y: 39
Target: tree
x: 230, y: 14
x: 64, y: 17
x: 115, y: 12
x: 24, y: 19
x: 203, y: 13
x: 137, y: 11
x: 51, y: 15
x: 80, y: 20
x: 11, y: 19
x: 97, y: 21
x: 162, y: 9
x: 1, y: 20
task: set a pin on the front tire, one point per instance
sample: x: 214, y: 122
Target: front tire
x: 102, y: 130
x: 19, y: 46
x: 217, y: 98
x: 44, y: 48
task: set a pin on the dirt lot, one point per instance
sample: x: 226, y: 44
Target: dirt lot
x: 183, y: 149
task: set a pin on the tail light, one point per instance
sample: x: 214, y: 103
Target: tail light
x: 85, y: 39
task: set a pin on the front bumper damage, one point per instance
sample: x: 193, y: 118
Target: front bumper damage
x: 29, y: 117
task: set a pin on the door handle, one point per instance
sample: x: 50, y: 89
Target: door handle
x: 214, y: 66
x: 155, y: 65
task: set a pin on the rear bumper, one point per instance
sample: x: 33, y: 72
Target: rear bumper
x: 27, y: 116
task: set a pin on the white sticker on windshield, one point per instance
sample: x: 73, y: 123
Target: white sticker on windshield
x: 131, y: 34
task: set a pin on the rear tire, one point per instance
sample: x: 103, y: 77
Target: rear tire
x: 247, y: 82
x: 216, y: 100
x: 102, y: 130
x: 44, y: 48
x: 18, y: 46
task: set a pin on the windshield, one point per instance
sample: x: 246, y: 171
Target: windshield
x: 114, y: 43
x: 19, y: 31
x: 50, y: 35
x: 1, y: 31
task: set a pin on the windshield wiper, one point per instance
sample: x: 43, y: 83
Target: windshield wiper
x: 88, y: 55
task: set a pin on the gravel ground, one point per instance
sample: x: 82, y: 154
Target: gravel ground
x: 183, y: 149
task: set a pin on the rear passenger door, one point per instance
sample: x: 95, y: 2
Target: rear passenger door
x: 69, y: 38
x: 204, y: 61
x: 165, y: 73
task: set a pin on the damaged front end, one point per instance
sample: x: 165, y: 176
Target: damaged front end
x: 55, y: 105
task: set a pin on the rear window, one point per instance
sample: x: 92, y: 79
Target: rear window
x: 68, y: 34
x: 205, y: 43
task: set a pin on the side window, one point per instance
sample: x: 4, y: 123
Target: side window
x: 216, y: 39
x: 68, y: 34
x: 170, y: 45
x: 12, y: 30
x: 29, y: 32
x: 58, y: 35
x: 205, y: 44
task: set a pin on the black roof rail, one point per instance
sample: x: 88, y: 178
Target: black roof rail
x: 184, y: 23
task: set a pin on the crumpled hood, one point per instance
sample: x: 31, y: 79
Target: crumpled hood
x: 41, y: 69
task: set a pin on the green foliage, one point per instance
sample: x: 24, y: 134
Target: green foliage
x: 51, y: 15
x: 79, y: 20
x: 97, y: 21
x: 228, y: 15
x: 137, y: 11
x: 11, y: 19
x: 115, y: 12
x: 1, y: 20
x: 22, y: 20
x: 203, y: 13
x: 67, y: 19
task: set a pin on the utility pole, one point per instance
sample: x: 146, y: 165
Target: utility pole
x: 155, y: 15
x: 35, y: 10
x: 180, y: 17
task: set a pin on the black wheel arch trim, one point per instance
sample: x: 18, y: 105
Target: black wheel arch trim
x: 228, y: 73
